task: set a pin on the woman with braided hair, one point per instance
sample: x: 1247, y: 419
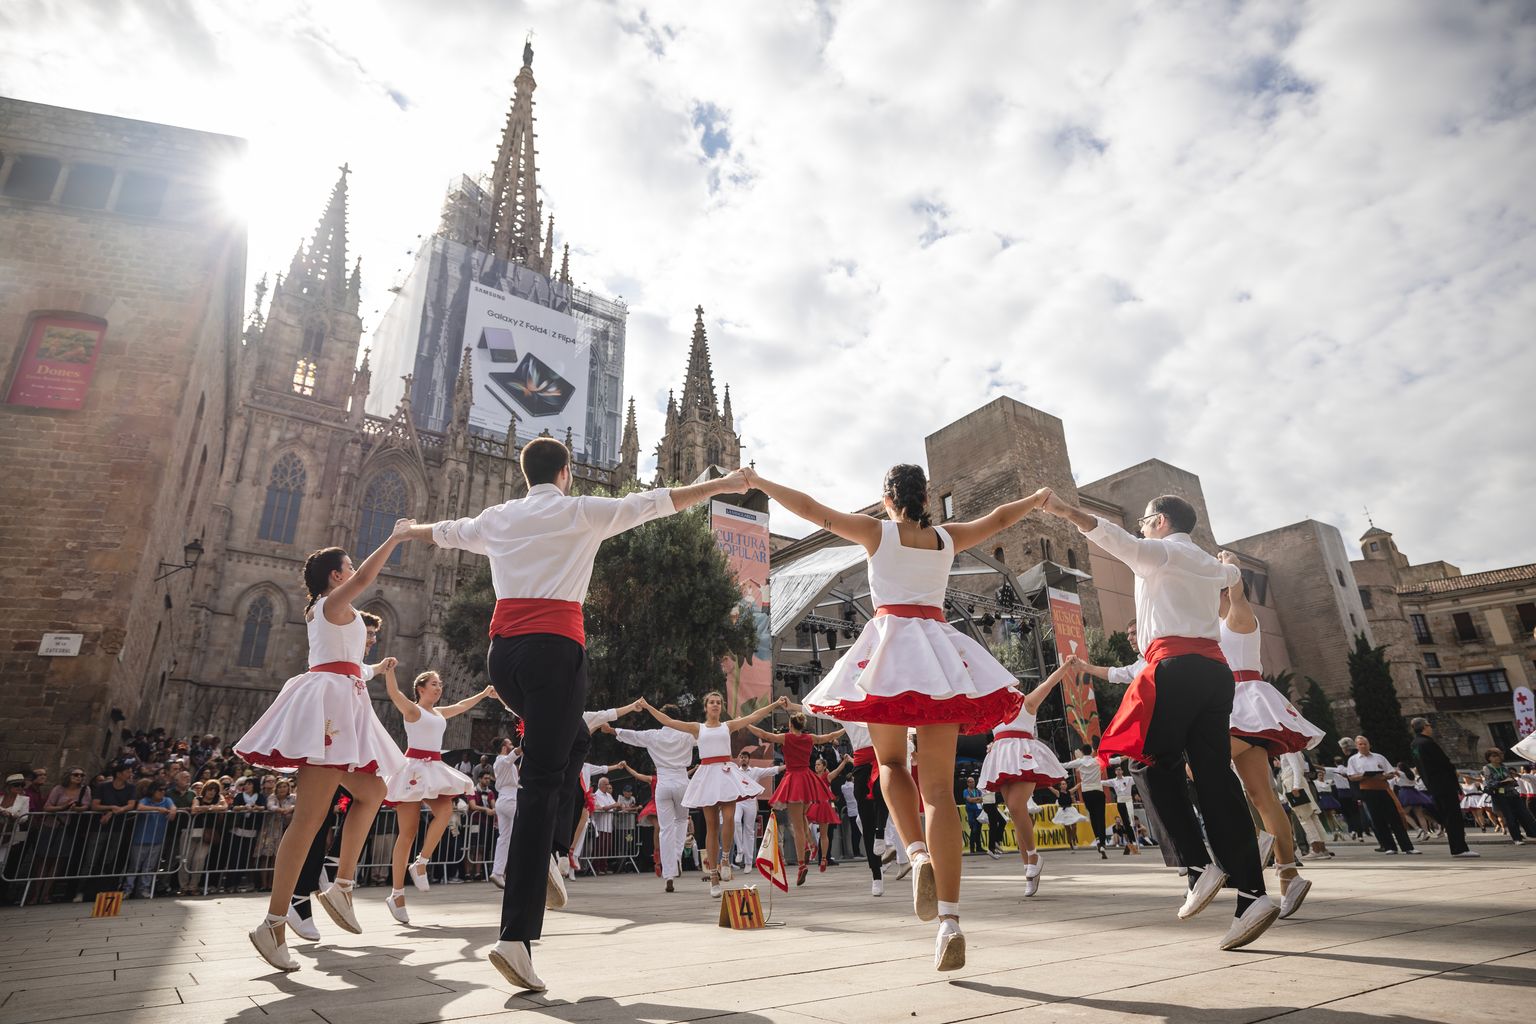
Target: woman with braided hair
x: 911, y: 668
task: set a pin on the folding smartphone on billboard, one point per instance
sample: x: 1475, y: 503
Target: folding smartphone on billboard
x: 539, y: 390
x: 498, y: 342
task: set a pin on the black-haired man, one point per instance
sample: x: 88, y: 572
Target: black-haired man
x: 1179, y: 707
x: 1439, y: 776
x: 541, y: 548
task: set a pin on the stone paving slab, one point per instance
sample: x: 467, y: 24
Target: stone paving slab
x: 1379, y: 941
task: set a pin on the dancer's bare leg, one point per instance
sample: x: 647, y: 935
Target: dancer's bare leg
x: 727, y: 812
x: 407, y: 824
x: 935, y: 774
x: 900, y: 792
x: 1252, y: 763
x: 1016, y: 796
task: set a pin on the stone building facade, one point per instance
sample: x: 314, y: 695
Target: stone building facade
x: 115, y: 224
x: 1459, y: 645
x: 699, y: 432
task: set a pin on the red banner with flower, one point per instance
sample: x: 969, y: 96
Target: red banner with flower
x: 1077, y: 694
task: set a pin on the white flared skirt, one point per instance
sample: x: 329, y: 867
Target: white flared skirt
x: 1020, y: 760
x: 323, y: 719
x: 424, y: 779
x: 719, y: 783
x: 1262, y: 715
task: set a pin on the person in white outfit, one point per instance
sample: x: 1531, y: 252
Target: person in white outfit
x: 746, y: 810
x: 1303, y: 799
x: 671, y: 752
x: 1017, y: 762
x: 323, y: 726
x: 424, y: 779
x: 717, y: 783
x: 505, y: 767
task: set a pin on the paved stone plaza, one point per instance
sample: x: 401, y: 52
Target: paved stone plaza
x: 1381, y: 939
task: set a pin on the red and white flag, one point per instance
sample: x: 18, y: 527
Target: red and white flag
x: 770, y: 856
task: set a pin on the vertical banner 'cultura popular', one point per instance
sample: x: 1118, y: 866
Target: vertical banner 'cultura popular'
x: 1077, y: 695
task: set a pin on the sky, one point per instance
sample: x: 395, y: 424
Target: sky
x: 1282, y: 245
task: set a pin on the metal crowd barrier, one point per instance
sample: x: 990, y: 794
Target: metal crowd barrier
x: 609, y: 844
x: 79, y: 853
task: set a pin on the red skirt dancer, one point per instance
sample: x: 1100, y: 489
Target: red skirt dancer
x: 1127, y: 733
x: 801, y: 785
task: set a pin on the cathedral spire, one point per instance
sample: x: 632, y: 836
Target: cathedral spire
x: 699, y: 386
x: 725, y: 412
x: 565, y: 265
x: 355, y: 286
x: 323, y: 269
x: 513, y: 232
x: 549, y: 242
x: 629, y: 447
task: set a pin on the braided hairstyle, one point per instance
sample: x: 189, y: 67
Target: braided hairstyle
x: 907, y: 487
x: 317, y: 572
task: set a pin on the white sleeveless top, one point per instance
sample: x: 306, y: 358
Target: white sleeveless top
x: 329, y: 642
x: 903, y: 575
x: 714, y: 741
x: 1241, y: 649
x: 426, y: 733
x: 1022, y: 722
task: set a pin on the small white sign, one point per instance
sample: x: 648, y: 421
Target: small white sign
x: 60, y: 645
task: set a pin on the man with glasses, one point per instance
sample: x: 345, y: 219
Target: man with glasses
x: 1179, y: 706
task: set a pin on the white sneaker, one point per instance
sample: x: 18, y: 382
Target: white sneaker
x: 925, y: 892
x: 264, y: 938
x: 499, y: 881
x: 1250, y: 924
x: 1032, y: 875
x: 418, y: 873
x: 1467, y: 853
x: 903, y: 870
x: 555, y: 897
x: 1205, y: 889
x: 714, y: 884
x: 994, y: 855
x: 878, y: 847
x: 949, y: 946
x: 338, y: 903
x: 514, y: 963
x: 877, y: 887
x: 303, y: 927
x: 397, y: 909
x: 1266, y: 849
x: 1295, y: 892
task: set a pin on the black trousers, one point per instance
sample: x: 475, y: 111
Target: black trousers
x: 1448, y: 810
x: 314, y: 860
x: 1349, y: 804
x: 1511, y: 806
x: 995, y: 824
x: 872, y: 812
x: 1155, y: 827
x: 1386, y: 822
x: 1093, y: 801
x: 1190, y: 722
x: 543, y: 679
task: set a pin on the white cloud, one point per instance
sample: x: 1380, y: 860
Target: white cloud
x: 1286, y: 246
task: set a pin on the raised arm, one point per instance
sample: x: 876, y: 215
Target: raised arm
x: 1036, y: 697
x: 968, y: 535
x: 734, y: 482
x: 771, y: 737
x: 407, y: 707
x: 758, y: 715
x: 1140, y: 554
x: 829, y: 737
x: 467, y: 703
x: 1240, y: 617
x: 691, y: 728
x: 842, y: 766
x: 366, y: 573
x: 859, y: 528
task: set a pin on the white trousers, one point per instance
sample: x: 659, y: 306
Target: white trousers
x: 894, y: 841
x: 506, y: 813
x: 1306, y: 814
x: 746, y: 831
x: 671, y: 820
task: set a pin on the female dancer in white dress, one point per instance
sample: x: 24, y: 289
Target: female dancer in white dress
x: 910, y: 667
x: 425, y: 779
x: 1017, y: 762
x: 1264, y: 725
x: 323, y: 726
x: 717, y: 783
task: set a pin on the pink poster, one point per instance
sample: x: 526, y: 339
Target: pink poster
x: 57, y: 363
x: 743, y: 535
x: 1067, y: 624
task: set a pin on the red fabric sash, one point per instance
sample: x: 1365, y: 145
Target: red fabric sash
x: 1013, y: 734
x: 866, y: 755
x: 424, y: 755
x: 340, y: 668
x: 912, y: 611
x: 522, y: 616
x: 1126, y: 733
x: 1247, y: 675
x: 713, y: 760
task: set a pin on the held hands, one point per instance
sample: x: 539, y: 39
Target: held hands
x: 734, y: 482
x: 387, y: 666
x: 1227, y: 558
x: 402, y: 530
x: 781, y: 703
x: 1053, y: 503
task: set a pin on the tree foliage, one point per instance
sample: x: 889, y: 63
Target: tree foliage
x: 1376, y: 704
x: 1112, y: 650
x: 1316, y: 708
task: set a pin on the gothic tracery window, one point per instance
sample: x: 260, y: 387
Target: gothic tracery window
x: 285, y: 495
x: 384, y: 500
x: 253, y: 639
x: 304, y: 377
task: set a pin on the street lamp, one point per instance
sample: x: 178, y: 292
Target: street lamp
x: 191, y: 553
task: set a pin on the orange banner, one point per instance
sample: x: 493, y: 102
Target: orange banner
x: 1077, y: 695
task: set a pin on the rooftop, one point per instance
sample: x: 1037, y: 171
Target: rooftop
x: 1472, y: 581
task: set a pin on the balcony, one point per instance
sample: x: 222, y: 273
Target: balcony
x: 1472, y: 702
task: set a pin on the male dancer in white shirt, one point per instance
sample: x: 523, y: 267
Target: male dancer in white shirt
x: 541, y: 549
x: 671, y: 752
x: 746, y: 810
x: 505, y: 769
x: 1180, y: 706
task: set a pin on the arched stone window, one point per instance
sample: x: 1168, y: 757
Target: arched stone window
x: 384, y: 500
x: 314, y: 337
x: 285, y: 495
x: 258, y: 627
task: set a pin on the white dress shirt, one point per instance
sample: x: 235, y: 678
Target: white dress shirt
x: 1123, y: 787
x: 602, y: 810
x: 1293, y: 771
x: 505, y: 769
x: 1178, y: 586
x: 671, y: 749
x: 597, y: 718
x: 1125, y: 674
x: 1088, y: 772
x: 1359, y: 764
x: 542, y: 545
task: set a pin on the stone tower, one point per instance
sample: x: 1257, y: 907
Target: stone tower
x: 629, y: 448
x: 512, y: 228
x: 699, y: 433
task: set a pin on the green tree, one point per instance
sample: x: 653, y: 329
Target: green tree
x: 1376, y: 704
x: 1112, y: 650
x: 1316, y: 708
x: 468, y: 617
